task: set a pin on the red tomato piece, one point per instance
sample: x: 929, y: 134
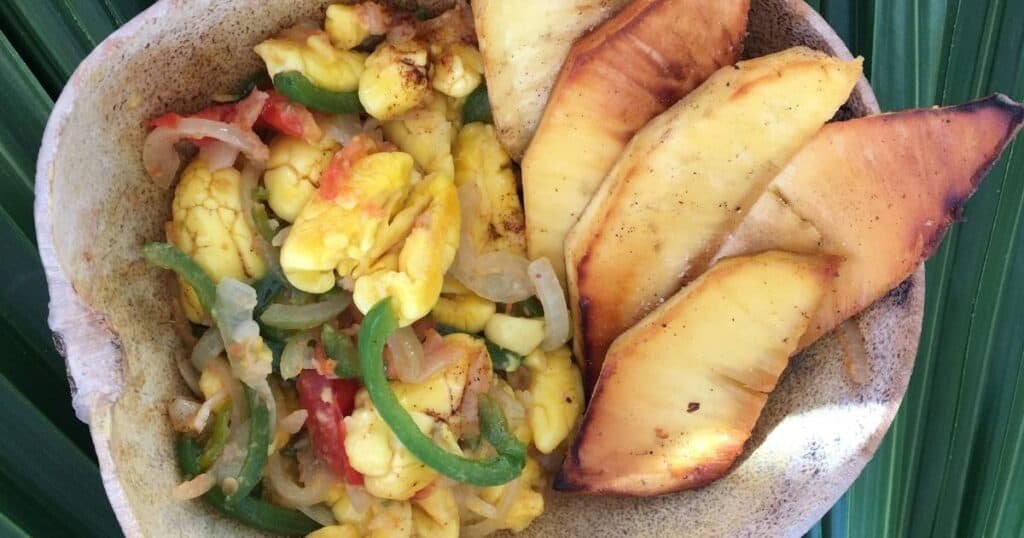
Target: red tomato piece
x: 290, y: 118
x: 334, y: 178
x: 169, y: 119
x: 328, y: 402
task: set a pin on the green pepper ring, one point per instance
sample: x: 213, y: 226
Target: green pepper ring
x: 298, y: 88
x: 504, y: 467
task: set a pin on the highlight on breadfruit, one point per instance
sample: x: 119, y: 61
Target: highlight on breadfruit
x: 681, y: 390
x: 615, y: 79
x: 684, y: 178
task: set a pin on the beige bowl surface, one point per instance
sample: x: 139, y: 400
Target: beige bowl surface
x: 111, y: 318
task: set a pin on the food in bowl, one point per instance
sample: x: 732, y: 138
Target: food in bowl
x: 374, y: 352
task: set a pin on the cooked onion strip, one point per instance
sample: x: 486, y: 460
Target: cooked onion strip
x: 207, y: 348
x: 501, y: 277
x: 291, y: 493
x: 251, y: 173
x: 497, y: 522
x: 358, y: 497
x: 296, y: 356
x: 552, y: 298
x: 405, y: 356
x: 202, y: 416
x: 306, y: 316
x: 161, y: 159
x: 218, y: 155
x: 188, y: 373
x: 190, y: 489
x: 182, y: 412
x: 293, y: 422
x: 319, y: 513
x: 342, y: 127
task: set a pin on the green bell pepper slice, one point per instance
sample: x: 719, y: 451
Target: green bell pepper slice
x: 256, y: 450
x: 339, y: 348
x: 298, y: 88
x: 247, y: 510
x: 168, y: 256
x: 218, y: 439
x: 380, y: 322
x: 477, y: 106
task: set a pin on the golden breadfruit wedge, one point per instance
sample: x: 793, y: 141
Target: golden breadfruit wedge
x: 881, y: 192
x: 616, y: 78
x: 680, y: 392
x: 524, y: 44
x: 683, y: 182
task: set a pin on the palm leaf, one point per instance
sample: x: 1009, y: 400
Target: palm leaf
x: 952, y: 463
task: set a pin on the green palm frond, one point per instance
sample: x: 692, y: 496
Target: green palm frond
x: 953, y: 462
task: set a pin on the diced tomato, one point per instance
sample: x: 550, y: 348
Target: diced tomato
x: 335, y: 177
x: 328, y: 402
x: 169, y: 119
x: 225, y: 113
x: 324, y: 364
x: 424, y: 326
x: 290, y: 118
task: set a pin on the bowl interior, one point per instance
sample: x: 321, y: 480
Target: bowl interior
x: 110, y: 312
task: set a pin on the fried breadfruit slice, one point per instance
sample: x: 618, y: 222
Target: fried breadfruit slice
x: 682, y: 183
x: 881, y: 192
x: 524, y: 43
x: 616, y: 78
x: 680, y: 392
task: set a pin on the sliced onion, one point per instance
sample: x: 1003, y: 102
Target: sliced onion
x: 437, y: 355
x: 306, y: 316
x: 501, y: 277
x: 342, y: 127
x: 191, y: 489
x: 281, y: 236
x: 479, y: 382
x: 188, y: 373
x: 251, y: 173
x: 208, y: 347
x: 479, y: 506
x: 552, y: 298
x: 248, y: 110
x: 161, y: 159
x: 229, y: 464
x: 296, y: 356
x: 202, y: 415
x: 358, y: 497
x: 218, y: 155
x: 291, y: 493
x: 319, y: 513
x: 405, y: 356
x: 513, y: 409
x: 250, y: 359
x: 181, y: 412
x: 220, y: 369
x: 293, y: 422
x: 493, y: 524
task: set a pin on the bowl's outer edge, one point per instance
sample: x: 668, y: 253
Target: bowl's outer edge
x: 95, y: 354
